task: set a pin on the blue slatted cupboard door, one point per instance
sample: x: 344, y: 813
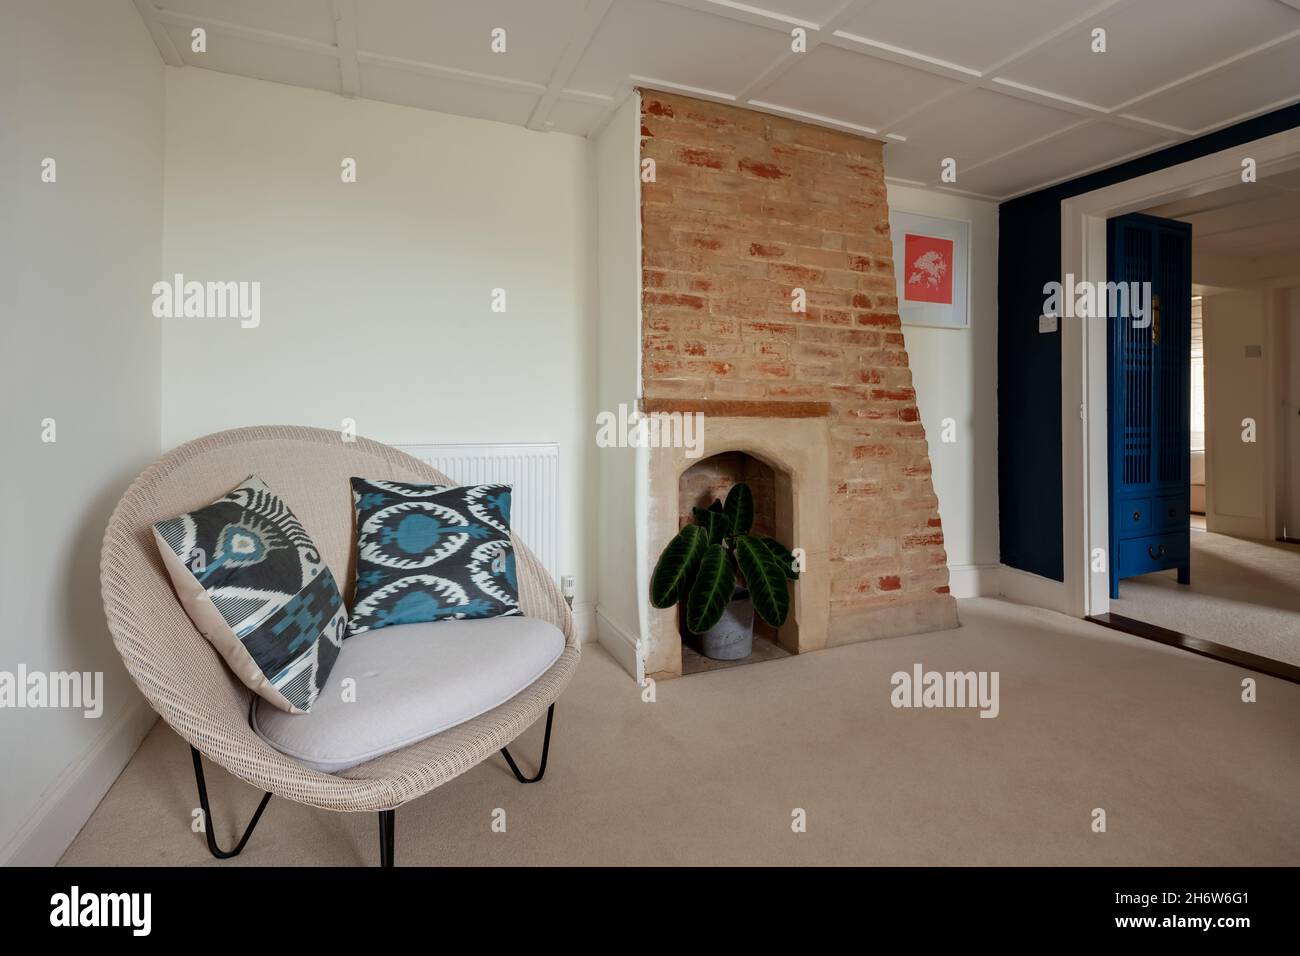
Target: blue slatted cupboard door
x: 1150, y: 401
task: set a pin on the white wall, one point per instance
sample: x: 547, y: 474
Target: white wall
x: 82, y: 84
x: 619, y: 354
x: 1240, y: 476
x: 954, y: 372
x: 376, y: 295
x: 1289, y: 346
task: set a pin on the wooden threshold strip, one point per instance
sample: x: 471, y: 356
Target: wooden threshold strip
x: 736, y: 408
x: 1198, y: 645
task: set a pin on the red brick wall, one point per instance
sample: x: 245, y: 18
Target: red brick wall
x: 710, y: 479
x: 744, y: 208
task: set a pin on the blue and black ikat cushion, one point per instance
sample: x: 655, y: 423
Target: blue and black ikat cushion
x: 431, y: 553
x: 255, y: 585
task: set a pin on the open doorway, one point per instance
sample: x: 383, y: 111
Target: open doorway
x: 1242, y: 431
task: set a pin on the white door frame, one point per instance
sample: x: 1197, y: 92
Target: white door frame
x: 1084, y: 476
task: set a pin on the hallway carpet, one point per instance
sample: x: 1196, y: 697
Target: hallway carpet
x: 711, y: 772
x: 1244, y: 594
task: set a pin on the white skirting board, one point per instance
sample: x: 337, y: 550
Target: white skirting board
x: 621, y: 645
x: 974, y: 580
x: 1025, y: 588
x: 73, y: 797
x: 584, y: 622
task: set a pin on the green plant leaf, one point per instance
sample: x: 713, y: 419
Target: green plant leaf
x: 765, y: 579
x: 676, y: 565
x: 714, y: 522
x: 782, y: 555
x: 715, y: 582
x: 739, y: 508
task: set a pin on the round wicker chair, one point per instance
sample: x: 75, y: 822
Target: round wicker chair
x: 187, y: 683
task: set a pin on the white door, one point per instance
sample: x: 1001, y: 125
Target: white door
x: 1237, y: 469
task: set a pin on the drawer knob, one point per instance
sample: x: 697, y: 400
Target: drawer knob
x: 1137, y: 516
x: 1172, y: 512
x: 1156, y: 551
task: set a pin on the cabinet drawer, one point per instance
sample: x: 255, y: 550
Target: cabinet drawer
x: 1152, y: 553
x: 1170, y: 512
x: 1132, y: 515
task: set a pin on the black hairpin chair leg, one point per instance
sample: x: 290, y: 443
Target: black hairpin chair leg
x: 215, y: 850
x: 546, y: 750
x: 387, y: 818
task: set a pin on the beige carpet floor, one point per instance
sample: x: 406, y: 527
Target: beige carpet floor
x: 711, y: 771
x: 1244, y: 594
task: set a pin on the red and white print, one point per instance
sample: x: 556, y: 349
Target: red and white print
x: 929, y: 266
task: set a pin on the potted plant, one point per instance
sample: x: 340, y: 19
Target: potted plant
x: 701, y: 565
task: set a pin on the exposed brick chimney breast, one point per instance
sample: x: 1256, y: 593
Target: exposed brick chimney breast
x: 744, y: 209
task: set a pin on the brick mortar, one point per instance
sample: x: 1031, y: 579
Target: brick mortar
x: 745, y: 207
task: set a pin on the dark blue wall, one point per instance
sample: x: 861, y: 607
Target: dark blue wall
x: 1029, y: 363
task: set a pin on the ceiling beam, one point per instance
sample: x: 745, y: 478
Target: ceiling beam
x: 744, y: 13
x: 345, y: 35
x: 248, y: 33
x: 816, y: 36
x: 161, y: 38
x: 449, y: 72
x: 580, y: 38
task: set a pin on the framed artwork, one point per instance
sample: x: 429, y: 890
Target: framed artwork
x: 931, y: 269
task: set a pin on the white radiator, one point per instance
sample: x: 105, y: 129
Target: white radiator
x: 530, y: 470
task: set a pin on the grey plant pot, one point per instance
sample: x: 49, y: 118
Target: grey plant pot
x: 732, y: 638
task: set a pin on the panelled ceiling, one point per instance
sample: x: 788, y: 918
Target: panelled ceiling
x: 1009, y: 89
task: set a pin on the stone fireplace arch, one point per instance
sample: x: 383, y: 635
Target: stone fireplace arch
x: 796, y: 451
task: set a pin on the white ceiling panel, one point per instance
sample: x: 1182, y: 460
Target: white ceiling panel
x: 446, y: 95
x: 971, y: 34
x: 259, y: 59
x: 1072, y: 152
x: 673, y: 43
x: 970, y: 127
x: 852, y: 88
x: 310, y: 19
x: 459, y: 34
x: 1150, y: 43
x: 1254, y: 82
x: 976, y: 80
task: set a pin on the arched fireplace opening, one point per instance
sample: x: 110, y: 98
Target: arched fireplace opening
x: 707, y: 481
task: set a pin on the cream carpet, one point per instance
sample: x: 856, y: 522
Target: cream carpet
x: 711, y: 772
x: 1244, y: 594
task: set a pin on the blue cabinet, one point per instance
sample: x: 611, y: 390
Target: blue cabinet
x: 1148, y: 378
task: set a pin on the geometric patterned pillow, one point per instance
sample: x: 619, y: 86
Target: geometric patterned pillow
x: 253, y: 582
x: 431, y: 553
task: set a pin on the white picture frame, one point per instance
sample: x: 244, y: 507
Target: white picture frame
x: 935, y: 314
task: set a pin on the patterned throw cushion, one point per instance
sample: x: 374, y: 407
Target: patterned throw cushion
x: 254, y: 584
x: 431, y: 553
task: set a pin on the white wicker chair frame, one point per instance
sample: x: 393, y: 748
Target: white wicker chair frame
x: 187, y: 683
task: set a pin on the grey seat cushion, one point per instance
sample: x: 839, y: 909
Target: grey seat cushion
x: 412, y: 681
